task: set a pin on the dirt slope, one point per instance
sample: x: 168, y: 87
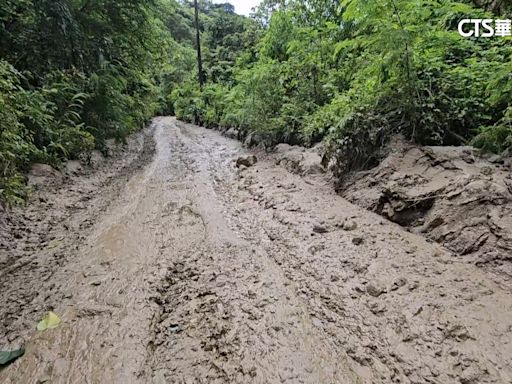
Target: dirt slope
x: 452, y: 195
x: 198, y: 272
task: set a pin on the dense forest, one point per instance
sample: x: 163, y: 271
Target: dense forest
x: 352, y: 73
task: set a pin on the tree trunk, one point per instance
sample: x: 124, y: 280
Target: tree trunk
x: 198, y: 43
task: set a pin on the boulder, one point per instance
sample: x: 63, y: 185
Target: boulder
x: 299, y: 160
x: 311, y: 164
x: 291, y: 161
x: 96, y: 159
x: 253, y: 139
x: 246, y: 161
x: 232, y: 133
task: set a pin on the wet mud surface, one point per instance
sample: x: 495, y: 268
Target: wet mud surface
x: 191, y: 270
x: 456, y: 196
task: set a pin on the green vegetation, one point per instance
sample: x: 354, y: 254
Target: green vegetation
x: 74, y: 73
x: 355, y: 72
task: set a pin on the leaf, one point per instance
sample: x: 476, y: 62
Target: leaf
x: 49, y: 321
x: 8, y: 356
x: 53, y: 244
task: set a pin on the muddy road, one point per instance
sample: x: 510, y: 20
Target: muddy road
x: 181, y: 268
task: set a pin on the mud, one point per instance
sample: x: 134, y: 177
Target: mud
x: 41, y: 238
x: 193, y: 270
x: 456, y: 196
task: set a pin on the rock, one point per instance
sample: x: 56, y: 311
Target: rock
x: 374, y: 290
x: 291, y: 161
x: 319, y: 228
x: 311, y: 164
x: 232, y: 133
x: 376, y: 307
x: 357, y: 240
x: 283, y: 148
x: 457, y: 332
x: 247, y: 161
x: 496, y: 159
x: 253, y: 139
x: 398, y: 283
x: 414, y: 285
x: 73, y: 167
x: 175, y: 328
x: 96, y: 159
x: 299, y: 160
x: 349, y: 225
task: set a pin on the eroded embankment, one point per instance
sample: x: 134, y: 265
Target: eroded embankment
x: 453, y: 195
x: 456, y: 196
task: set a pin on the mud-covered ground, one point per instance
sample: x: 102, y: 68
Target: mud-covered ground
x: 191, y: 270
x: 455, y: 196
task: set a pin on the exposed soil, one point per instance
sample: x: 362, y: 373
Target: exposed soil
x: 453, y: 195
x: 197, y: 269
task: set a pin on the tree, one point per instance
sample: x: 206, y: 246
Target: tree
x: 198, y: 46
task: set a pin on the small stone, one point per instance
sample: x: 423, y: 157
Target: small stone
x: 318, y: 228
x: 496, y: 159
x: 374, y: 291
x: 398, y: 283
x: 175, y: 328
x: 414, y: 285
x: 357, y: 240
x: 317, y: 322
x: 349, y: 225
x: 377, y: 307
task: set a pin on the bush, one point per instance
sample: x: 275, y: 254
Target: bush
x: 358, y: 72
x: 17, y: 147
x: 90, y: 72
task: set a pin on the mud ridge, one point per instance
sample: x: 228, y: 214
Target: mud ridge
x: 455, y: 196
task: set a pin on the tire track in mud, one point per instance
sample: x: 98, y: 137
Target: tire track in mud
x: 201, y: 273
x: 403, y: 310
x: 226, y: 313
